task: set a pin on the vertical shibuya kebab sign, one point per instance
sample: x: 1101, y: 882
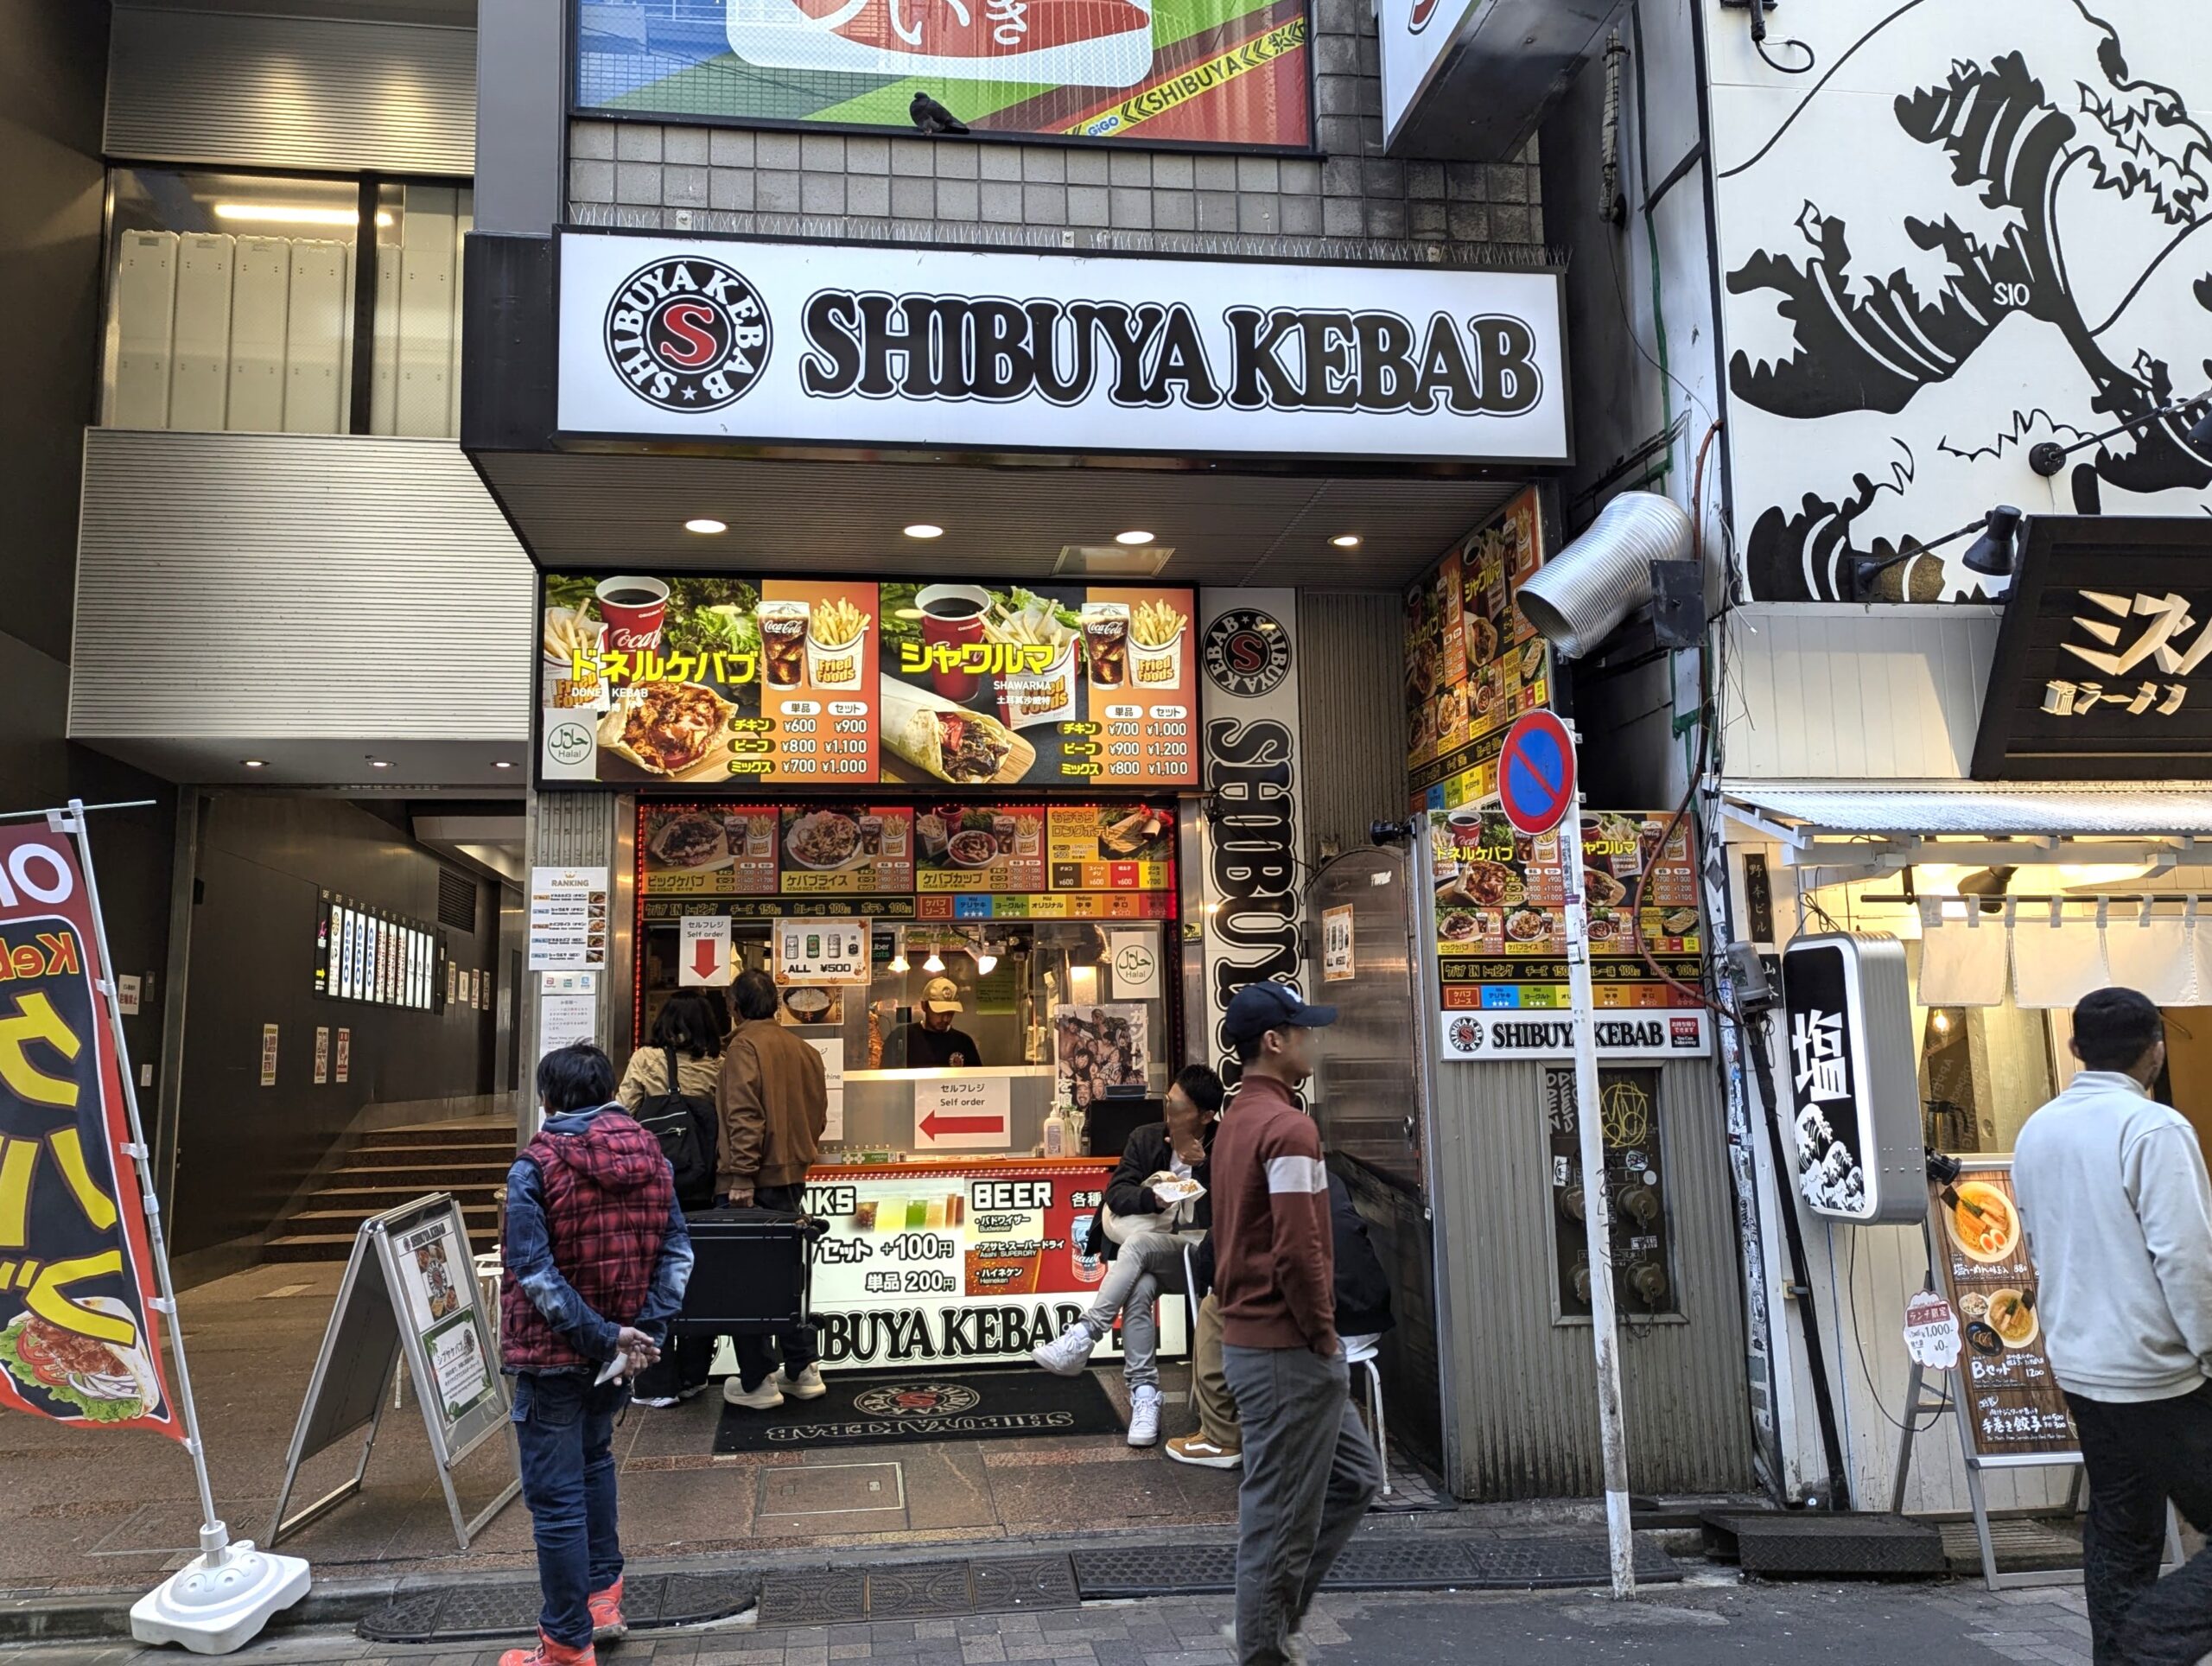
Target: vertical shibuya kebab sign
x: 744, y: 340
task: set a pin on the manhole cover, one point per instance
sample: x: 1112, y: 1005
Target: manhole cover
x: 510, y: 1607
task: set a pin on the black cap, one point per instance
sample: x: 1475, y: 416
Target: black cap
x: 1258, y: 1007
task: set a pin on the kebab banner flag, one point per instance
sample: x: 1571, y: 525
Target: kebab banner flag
x: 78, y: 1338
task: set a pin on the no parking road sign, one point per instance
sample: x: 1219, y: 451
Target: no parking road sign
x: 1535, y: 773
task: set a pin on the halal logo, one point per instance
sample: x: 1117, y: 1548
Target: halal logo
x: 1247, y: 652
x: 918, y: 1400
x: 1133, y: 965
x: 687, y: 334
x: 568, y: 743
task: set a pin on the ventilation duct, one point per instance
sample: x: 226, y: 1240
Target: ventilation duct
x: 1580, y: 597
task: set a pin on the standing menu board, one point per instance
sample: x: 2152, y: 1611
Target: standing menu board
x: 2013, y: 1406
x: 695, y: 679
x: 1473, y: 664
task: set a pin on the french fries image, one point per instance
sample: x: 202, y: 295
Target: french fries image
x: 1154, y: 624
x: 569, y: 635
x: 838, y: 623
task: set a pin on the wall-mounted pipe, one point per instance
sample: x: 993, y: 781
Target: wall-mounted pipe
x: 1581, y: 595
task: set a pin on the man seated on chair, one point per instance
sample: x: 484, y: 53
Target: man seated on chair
x: 1144, y: 1245
x: 1363, y: 1314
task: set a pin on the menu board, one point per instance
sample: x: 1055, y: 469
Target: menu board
x: 2012, y: 1403
x: 965, y: 860
x: 363, y: 953
x: 940, y: 1263
x: 1472, y: 663
x: 694, y: 679
x: 1501, y: 913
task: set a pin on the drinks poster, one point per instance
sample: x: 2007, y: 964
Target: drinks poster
x: 1472, y: 663
x: 1501, y: 913
x: 2012, y: 1403
x: 696, y: 679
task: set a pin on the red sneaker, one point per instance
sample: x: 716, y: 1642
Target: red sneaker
x: 607, y: 1621
x: 547, y: 1652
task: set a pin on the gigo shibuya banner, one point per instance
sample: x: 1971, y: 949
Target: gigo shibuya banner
x: 1164, y: 72
x: 739, y: 340
x: 77, y: 1337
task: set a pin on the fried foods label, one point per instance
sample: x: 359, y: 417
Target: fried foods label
x: 78, y: 1341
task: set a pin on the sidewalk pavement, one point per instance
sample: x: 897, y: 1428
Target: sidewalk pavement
x: 1698, y: 1625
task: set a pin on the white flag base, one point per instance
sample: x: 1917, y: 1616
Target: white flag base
x: 223, y: 1599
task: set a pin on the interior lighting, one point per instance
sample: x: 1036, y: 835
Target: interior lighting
x: 293, y: 213
x: 924, y: 530
x: 934, y: 963
x: 255, y: 763
x: 1133, y: 536
x: 503, y: 763
x: 986, y: 961
x: 379, y: 763
x: 899, y: 963
x: 706, y: 526
x: 1346, y: 540
x: 2081, y: 876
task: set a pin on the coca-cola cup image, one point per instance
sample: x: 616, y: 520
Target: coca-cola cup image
x: 783, y: 641
x: 633, y: 609
x: 952, y: 616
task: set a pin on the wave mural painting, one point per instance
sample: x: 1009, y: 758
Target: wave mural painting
x: 1968, y: 230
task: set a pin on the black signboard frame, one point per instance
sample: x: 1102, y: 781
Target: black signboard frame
x: 2062, y: 556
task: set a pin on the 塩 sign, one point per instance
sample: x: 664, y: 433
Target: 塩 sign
x: 1847, y: 1029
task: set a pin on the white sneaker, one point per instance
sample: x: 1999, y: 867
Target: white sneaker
x: 807, y: 1385
x: 1068, y: 1353
x: 655, y: 1401
x: 1144, y: 1417
x: 767, y: 1397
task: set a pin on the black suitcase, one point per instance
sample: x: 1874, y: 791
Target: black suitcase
x: 752, y: 1272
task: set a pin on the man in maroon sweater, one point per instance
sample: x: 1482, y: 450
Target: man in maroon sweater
x: 1310, y: 1472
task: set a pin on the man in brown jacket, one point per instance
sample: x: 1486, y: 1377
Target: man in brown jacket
x: 773, y: 1099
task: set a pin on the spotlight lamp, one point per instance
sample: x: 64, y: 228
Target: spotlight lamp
x: 2048, y: 457
x: 1992, y: 552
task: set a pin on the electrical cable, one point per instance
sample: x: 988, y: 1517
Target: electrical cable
x: 1859, y: 1340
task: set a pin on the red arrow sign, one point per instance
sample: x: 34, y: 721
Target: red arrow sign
x: 708, y: 960
x: 934, y: 1125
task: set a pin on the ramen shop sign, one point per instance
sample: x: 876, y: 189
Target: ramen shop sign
x: 744, y: 341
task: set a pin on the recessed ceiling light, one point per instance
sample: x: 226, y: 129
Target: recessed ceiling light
x: 924, y: 530
x: 705, y: 525
x: 255, y: 763
x: 1346, y: 540
x: 379, y: 763
x: 1133, y: 537
x: 503, y: 763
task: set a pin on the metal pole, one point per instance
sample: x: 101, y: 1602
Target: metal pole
x: 1597, y: 1214
x: 214, y: 1538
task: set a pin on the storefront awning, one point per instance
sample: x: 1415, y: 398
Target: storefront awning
x: 1881, y: 823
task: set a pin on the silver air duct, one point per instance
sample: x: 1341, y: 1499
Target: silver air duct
x: 1579, y: 597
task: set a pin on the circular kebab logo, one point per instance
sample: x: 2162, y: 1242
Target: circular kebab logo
x: 1247, y: 652
x: 687, y: 334
x: 918, y: 1400
x: 1465, y: 1034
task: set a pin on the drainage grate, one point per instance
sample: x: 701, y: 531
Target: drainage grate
x: 510, y: 1607
x: 1498, y: 1564
x: 2022, y: 1547
x: 826, y: 1596
x: 1814, y: 1543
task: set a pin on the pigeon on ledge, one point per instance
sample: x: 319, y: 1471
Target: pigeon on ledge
x: 930, y: 117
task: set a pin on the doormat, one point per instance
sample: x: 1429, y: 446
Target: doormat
x: 882, y: 1408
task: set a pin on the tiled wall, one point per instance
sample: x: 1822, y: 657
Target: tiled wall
x: 635, y: 173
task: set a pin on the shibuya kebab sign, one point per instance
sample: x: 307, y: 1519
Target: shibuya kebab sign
x: 744, y: 340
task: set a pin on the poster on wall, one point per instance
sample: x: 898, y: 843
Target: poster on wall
x: 440, y: 1285
x: 1101, y: 1051
x: 740, y: 683
x: 567, y: 919
x: 1911, y: 307
x: 2012, y: 1403
x: 1194, y: 74
x: 1501, y: 936
x: 1472, y: 663
x: 958, y: 1264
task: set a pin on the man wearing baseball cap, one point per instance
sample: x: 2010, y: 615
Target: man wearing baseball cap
x: 1310, y: 1471
x: 933, y: 1043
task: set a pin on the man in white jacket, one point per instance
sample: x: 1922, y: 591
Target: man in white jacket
x: 2112, y: 1192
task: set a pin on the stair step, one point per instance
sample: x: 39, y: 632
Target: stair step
x: 441, y: 1174
x: 382, y: 1196
x: 445, y: 1133
x: 334, y: 1246
x: 477, y: 1151
x: 475, y: 1214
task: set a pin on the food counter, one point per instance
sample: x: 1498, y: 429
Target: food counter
x: 967, y: 1260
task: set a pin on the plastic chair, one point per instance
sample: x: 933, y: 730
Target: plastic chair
x: 1365, y: 1355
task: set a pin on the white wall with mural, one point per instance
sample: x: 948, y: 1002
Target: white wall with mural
x: 1965, y: 228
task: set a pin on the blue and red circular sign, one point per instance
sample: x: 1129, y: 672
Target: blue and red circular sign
x: 1535, y: 773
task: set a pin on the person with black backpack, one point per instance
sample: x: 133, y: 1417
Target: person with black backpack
x: 669, y: 1088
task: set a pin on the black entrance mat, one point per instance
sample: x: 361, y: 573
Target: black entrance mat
x: 882, y: 1408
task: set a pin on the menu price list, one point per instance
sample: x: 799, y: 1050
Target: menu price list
x: 2013, y: 1404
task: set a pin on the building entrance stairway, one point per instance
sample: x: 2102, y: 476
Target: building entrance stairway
x: 392, y: 1165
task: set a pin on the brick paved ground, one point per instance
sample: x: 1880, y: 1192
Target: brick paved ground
x: 1698, y: 1625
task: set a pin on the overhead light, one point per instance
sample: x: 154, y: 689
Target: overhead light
x: 503, y: 763
x: 923, y: 529
x: 986, y: 963
x: 1133, y: 537
x: 1991, y: 552
x: 934, y: 963
x: 379, y: 763
x: 293, y: 213
x: 899, y: 964
x: 1346, y: 540
x: 705, y: 525
x: 255, y: 763
x: 2081, y: 876
x: 1112, y: 560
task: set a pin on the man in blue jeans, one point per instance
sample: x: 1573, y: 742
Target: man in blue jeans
x: 594, y: 1259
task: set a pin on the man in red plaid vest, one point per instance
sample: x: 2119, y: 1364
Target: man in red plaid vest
x: 594, y: 1262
